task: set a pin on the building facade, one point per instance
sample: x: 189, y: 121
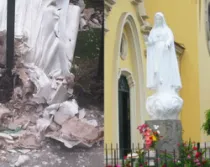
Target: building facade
x: 128, y: 23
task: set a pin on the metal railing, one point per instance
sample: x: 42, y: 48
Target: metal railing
x: 114, y: 156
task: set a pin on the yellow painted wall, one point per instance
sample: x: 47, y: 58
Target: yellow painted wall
x: 204, y: 70
x: 110, y: 40
x: 182, y: 18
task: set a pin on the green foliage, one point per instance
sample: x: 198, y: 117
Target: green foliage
x: 190, y: 156
x: 88, y: 44
x: 93, y: 3
x: 206, y: 124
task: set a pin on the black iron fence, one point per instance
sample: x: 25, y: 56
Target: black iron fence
x: 122, y: 157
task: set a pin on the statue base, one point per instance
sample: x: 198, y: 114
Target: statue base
x: 171, y: 132
x: 164, y: 105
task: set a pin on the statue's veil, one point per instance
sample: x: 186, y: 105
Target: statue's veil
x: 159, y: 14
x: 163, y: 25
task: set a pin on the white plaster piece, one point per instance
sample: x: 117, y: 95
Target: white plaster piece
x: 58, y: 95
x: 67, y: 110
x: 22, y: 159
x: 163, y: 75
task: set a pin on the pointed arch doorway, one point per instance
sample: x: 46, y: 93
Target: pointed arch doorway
x: 124, y: 116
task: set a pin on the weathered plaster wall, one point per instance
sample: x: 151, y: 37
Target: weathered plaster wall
x: 182, y: 17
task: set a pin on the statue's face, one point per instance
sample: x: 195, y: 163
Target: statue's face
x: 158, y: 20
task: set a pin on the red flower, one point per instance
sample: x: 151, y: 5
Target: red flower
x: 164, y: 165
x: 195, y: 148
x: 198, y: 154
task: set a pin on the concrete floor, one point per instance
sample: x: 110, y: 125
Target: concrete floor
x: 53, y: 154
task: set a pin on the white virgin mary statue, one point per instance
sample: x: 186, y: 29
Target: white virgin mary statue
x: 162, y: 66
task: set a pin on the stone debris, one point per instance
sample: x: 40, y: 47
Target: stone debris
x: 66, y: 111
x: 22, y: 160
x: 82, y: 113
x: 24, y: 151
x: 4, y: 111
x: 81, y: 133
x: 91, y: 122
x: 63, y: 122
x: 42, y: 106
x: 91, y: 18
x: 5, y: 136
x: 29, y: 141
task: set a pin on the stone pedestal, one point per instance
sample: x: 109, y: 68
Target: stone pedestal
x: 171, y: 132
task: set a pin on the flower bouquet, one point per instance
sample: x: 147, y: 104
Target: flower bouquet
x: 150, y: 136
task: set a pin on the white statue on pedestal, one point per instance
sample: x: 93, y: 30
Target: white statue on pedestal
x: 162, y: 72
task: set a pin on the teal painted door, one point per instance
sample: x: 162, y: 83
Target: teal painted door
x: 124, y: 117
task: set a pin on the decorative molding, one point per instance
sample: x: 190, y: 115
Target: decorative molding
x: 127, y: 19
x: 179, y: 48
x: 131, y: 82
x: 107, y: 8
x: 140, y: 9
x: 141, y: 13
x: 136, y: 1
x: 128, y: 74
x: 123, y: 47
x: 145, y: 29
x: 207, y: 22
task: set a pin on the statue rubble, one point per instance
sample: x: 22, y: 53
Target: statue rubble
x: 44, y: 53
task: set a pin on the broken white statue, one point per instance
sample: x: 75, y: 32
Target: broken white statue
x: 42, y: 44
x: 163, y: 75
x: 45, y: 39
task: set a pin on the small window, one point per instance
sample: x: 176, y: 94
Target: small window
x: 123, y: 47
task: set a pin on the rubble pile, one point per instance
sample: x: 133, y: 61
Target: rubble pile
x: 25, y: 124
x: 91, y: 18
x: 42, y: 109
x: 42, y: 105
